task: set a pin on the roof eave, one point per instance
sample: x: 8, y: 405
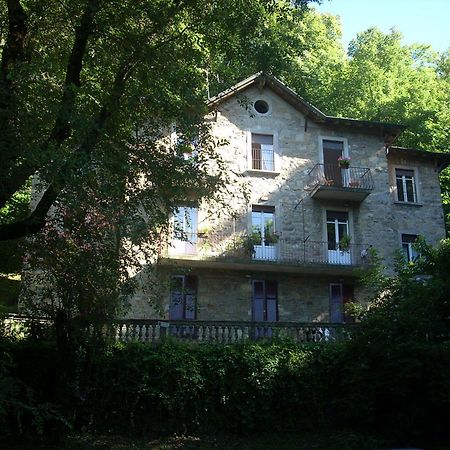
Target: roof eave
x: 442, y: 160
x: 389, y: 130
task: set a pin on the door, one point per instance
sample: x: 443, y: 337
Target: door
x: 264, y: 305
x: 184, y: 240
x: 332, y: 151
x: 336, y: 303
x: 337, y: 234
x: 263, y: 233
x: 183, y: 303
x: 340, y: 294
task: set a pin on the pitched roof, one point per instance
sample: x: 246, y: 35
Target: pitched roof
x: 262, y: 80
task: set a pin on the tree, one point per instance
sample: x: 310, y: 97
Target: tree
x: 102, y: 105
x: 78, y: 78
x: 380, y: 79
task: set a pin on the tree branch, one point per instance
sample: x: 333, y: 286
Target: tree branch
x: 14, y: 50
x: 34, y: 222
x: 37, y: 219
x: 62, y: 128
x: 12, y: 55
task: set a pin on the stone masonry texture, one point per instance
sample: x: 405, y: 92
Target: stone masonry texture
x: 379, y: 220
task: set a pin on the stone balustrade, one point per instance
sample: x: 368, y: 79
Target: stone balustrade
x: 211, y: 331
x: 227, y: 332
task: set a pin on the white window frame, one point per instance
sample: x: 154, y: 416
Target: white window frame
x: 263, y: 250
x: 276, y: 161
x: 411, y: 254
x: 186, y: 244
x: 416, y: 193
x: 350, y: 229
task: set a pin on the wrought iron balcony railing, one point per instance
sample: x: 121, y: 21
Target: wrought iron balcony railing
x: 332, y: 181
x: 241, y: 247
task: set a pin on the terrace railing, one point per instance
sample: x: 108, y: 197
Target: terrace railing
x: 228, y: 332
x: 241, y: 247
x: 225, y: 332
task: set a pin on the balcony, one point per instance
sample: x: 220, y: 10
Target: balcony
x: 284, y: 255
x: 331, y: 182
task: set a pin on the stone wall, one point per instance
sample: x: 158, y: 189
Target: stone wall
x: 227, y: 295
x: 379, y: 220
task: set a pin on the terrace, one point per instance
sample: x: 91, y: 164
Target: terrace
x: 279, y: 254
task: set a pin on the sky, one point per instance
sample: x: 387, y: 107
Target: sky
x: 420, y: 21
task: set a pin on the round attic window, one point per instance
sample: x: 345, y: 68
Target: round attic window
x: 261, y: 106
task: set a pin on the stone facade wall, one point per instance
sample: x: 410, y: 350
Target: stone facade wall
x: 227, y: 295
x: 379, y: 220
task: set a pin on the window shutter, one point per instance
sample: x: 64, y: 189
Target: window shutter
x: 258, y: 301
x: 191, y: 283
x: 176, y: 306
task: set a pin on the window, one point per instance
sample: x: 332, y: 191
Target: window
x: 406, y: 185
x: 264, y: 237
x: 332, y: 151
x: 261, y: 107
x: 408, y: 241
x: 183, y: 297
x: 338, y: 239
x: 184, y: 231
x: 262, y: 152
x: 264, y: 306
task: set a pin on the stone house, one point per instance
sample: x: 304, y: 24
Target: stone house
x: 321, y: 192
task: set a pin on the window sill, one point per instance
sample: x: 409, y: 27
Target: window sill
x: 262, y: 173
x: 396, y: 202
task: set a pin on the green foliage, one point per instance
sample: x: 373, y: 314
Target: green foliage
x: 28, y: 405
x: 17, y: 207
x: 414, y: 304
x: 91, y: 96
x: 393, y: 390
x: 394, y: 371
x: 344, y: 243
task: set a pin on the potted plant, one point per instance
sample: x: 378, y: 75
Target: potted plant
x: 249, y: 241
x: 344, y: 243
x: 271, y: 237
x: 344, y: 162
